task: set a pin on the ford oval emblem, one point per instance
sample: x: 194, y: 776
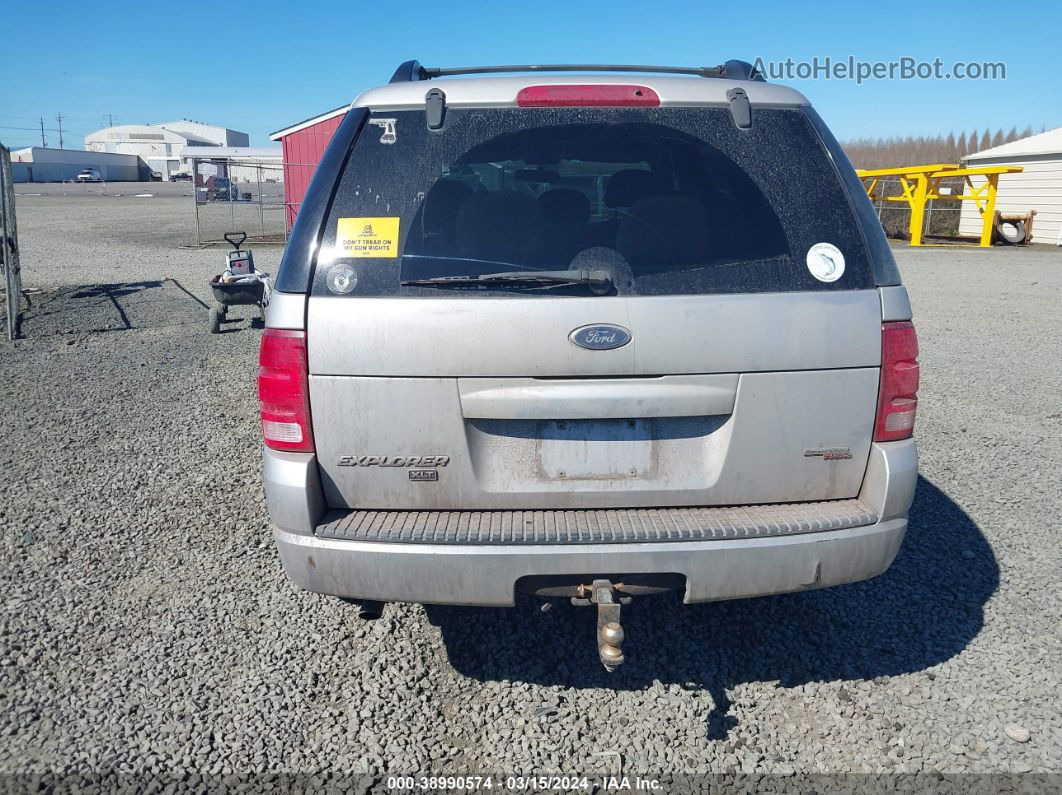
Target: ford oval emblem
x: 600, y: 337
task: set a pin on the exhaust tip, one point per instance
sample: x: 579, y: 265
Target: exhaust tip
x: 368, y: 609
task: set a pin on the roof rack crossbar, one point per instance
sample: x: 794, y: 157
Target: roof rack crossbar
x: 702, y: 71
x: 735, y: 70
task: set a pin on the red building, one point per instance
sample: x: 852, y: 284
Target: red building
x: 304, y: 144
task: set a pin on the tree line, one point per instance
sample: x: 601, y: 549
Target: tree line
x: 919, y: 150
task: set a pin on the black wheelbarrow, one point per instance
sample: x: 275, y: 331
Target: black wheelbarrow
x: 240, y: 285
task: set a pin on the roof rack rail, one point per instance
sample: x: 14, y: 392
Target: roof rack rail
x: 411, y: 71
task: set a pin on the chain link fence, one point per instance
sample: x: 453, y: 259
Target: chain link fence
x: 297, y: 177
x: 942, y: 215
x: 9, y: 261
x: 238, y: 195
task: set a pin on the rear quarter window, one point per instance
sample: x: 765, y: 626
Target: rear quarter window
x: 667, y: 200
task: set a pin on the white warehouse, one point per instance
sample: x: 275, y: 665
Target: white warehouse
x: 38, y: 164
x: 1038, y: 187
x: 161, y: 145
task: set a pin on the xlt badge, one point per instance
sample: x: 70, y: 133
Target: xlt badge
x: 393, y: 460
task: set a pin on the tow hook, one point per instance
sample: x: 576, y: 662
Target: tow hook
x: 609, y: 630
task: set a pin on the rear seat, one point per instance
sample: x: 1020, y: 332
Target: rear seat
x: 502, y: 226
x: 662, y: 232
x: 566, y: 232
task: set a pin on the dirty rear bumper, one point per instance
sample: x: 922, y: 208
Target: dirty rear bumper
x: 487, y: 574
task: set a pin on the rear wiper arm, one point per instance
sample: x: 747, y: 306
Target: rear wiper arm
x: 599, y: 281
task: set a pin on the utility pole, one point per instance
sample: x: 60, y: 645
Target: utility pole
x: 110, y: 119
x: 44, y: 143
x: 59, y: 119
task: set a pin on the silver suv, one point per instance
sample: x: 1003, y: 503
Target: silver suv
x: 586, y: 335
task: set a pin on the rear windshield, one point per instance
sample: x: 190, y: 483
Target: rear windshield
x: 664, y: 201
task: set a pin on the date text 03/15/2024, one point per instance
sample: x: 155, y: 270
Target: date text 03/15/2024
x: 572, y: 783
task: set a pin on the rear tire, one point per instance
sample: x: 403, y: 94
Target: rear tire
x: 215, y: 320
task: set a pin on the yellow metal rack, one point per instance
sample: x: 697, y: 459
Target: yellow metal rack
x: 919, y: 184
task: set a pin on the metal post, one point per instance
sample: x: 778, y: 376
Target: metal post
x: 195, y: 199
x: 232, y: 208
x: 261, y: 199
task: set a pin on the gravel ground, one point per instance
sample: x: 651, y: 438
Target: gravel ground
x: 147, y: 629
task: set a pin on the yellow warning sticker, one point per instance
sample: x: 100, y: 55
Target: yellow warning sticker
x: 367, y: 237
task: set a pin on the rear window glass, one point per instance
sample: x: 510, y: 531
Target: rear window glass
x: 662, y: 200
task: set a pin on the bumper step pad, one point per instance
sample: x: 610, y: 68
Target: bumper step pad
x: 619, y: 526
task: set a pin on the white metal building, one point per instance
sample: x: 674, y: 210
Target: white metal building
x: 219, y: 136
x: 241, y: 163
x: 1038, y: 187
x: 38, y: 164
x: 161, y: 145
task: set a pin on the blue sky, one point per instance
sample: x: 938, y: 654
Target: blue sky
x: 260, y: 66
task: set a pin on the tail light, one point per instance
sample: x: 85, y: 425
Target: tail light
x: 283, y: 394
x: 898, y: 392
x: 606, y: 95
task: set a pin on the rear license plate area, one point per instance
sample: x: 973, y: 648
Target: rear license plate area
x: 594, y: 449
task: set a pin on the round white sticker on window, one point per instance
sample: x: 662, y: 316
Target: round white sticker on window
x: 826, y: 262
x: 341, y: 279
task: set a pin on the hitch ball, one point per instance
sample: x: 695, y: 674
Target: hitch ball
x: 612, y: 634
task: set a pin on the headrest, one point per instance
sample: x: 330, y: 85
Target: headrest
x: 498, y: 226
x: 626, y: 187
x: 663, y: 232
x: 442, y: 203
x: 564, y: 206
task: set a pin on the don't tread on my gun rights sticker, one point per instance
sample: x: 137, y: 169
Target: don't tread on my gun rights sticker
x: 367, y: 237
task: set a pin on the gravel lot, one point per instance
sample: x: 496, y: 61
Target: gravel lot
x: 147, y: 628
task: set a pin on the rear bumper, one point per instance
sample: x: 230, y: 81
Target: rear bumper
x: 479, y: 574
x: 487, y: 575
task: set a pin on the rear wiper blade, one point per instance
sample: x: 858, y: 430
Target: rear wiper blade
x: 599, y: 281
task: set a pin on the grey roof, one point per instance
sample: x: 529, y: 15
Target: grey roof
x: 1046, y: 143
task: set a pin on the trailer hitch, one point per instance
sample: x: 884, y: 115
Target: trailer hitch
x: 609, y: 630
